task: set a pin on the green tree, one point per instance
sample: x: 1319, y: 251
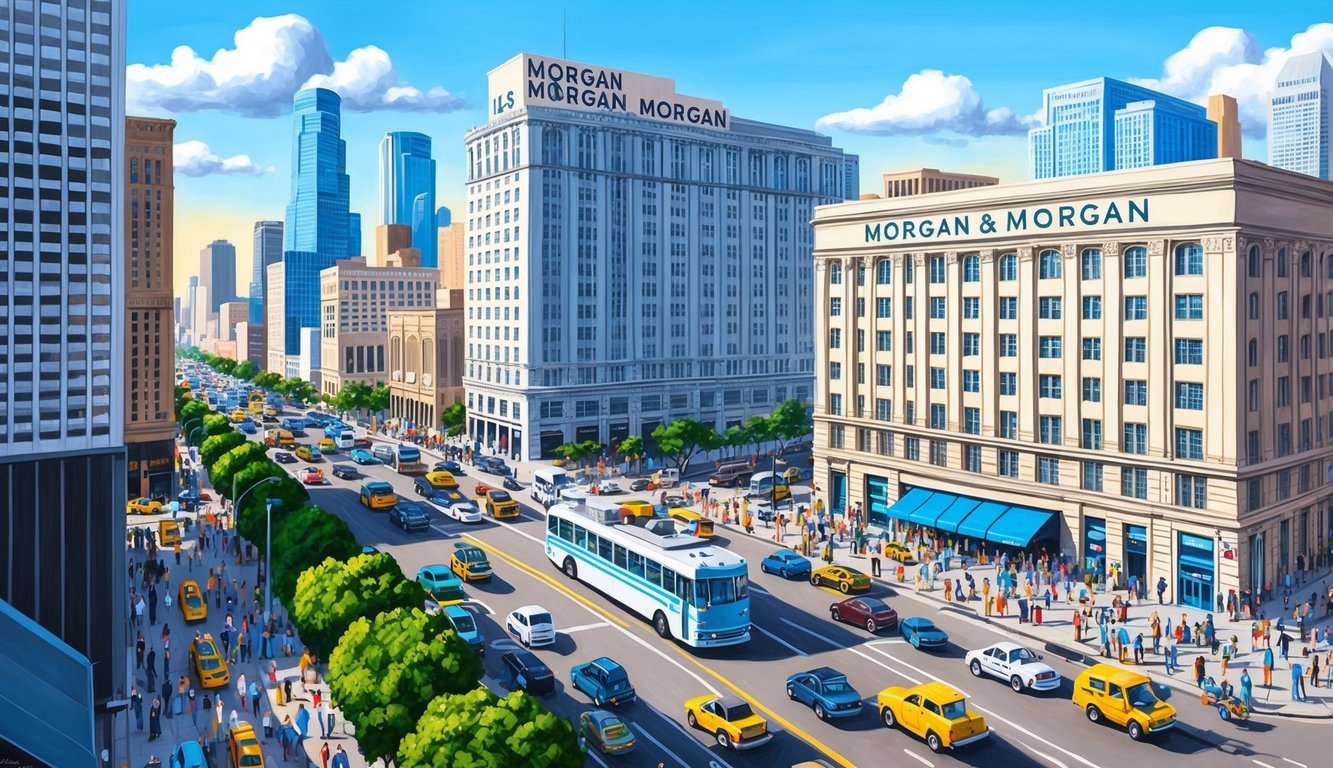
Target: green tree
x: 736, y: 437
x: 192, y: 415
x: 333, y: 594
x: 757, y: 431
x: 297, y: 389
x: 251, y: 516
x: 386, y: 670
x: 216, y: 424
x: 631, y: 448
x: 790, y: 421
x: 681, y: 440
x: 454, y: 419
x: 306, y: 537
x: 216, y: 446
x: 377, y: 400
x: 478, y: 730
x: 245, y: 369
x: 267, y: 380
x: 233, y: 461
x: 183, y: 397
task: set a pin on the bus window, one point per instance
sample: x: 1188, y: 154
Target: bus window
x: 552, y: 524
x: 669, y: 580
x: 566, y: 531
x: 654, y: 572
x: 701, y: 593
x: 683, y: 588
x: 619, y: 559
x: 604, y: 549
x: 636, y: 564
x: 580, y: 536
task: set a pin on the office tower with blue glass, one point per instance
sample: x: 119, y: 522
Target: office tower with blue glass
x: 353, y: 235
x: 407, y: 189
x: 267, y: 250
x: 1109, y: 125
x: 1300, y: 117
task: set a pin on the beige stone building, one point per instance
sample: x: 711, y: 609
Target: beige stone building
x: 926, y: 181
x: 452, y: 253
x: 150, y: 421
x: 426, y: 359
x: 1222, y: 109
x: 230, y: 315
x: 1130, y: 368
x: 354, y: 302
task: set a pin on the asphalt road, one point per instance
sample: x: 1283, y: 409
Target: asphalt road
x: 792, y: 633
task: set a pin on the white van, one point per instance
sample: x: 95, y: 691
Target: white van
x: 548, y: 485
x: 344, y: 439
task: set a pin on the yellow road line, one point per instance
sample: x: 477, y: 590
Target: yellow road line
x: 537, y: 574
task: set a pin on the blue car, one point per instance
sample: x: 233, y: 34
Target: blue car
x: 248, y: 427
x: 452, y: 467
x: 826, y: 691
x: 466, y: 627
x: 188, y: 754
x: 922, y: 633
x: 605, y: 682
x: 786, y: 564
x: 362, y: 456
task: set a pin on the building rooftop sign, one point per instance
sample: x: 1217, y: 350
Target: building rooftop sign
x: 531, y: 80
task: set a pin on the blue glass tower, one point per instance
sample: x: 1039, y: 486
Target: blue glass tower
x: 407, y: 189
x: 1108, y: 125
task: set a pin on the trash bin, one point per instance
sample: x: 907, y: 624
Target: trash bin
x: 1036, y: 615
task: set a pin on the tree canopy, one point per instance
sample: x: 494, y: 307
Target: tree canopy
x: 305, y: 538
x: 267, y: 380
x: 216, y: 424
x: 681, y: 440
x: 233, y: 461
x: 333, y: 594
x: 453, y: 419
x: 478, y: 730
x: 245, y: 369
x: 252, y: 514
x: 788, y: 422
x: 213, y: 448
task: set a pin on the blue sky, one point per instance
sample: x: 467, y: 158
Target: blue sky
x: 962, y: 79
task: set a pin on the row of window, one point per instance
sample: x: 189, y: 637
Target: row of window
x: 1188, y: 261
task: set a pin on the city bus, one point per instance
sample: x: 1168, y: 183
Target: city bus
x: 689, y: 590
x: 407, y: 461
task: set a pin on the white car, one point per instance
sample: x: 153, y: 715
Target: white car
x: 609, y: 488
x: 1021, y: 667
x: 454, y: 504
x: 532, y: 625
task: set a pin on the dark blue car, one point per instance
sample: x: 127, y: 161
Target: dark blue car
x: 922, y: 633
x: 826, y: 691
x: 786, y: 564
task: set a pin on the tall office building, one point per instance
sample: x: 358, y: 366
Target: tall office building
x: 453, y: 254
x: 1223, y: 110
x: 185, y: 328
x: 634, y: 255
x: 149, y: 351
x: 217, y: 273
x: 407, y: 189
x: 62, y: 381
x: 1108, y: 125
x: 1300, y: 116
x: 443, y: 216
x: 927, y: 181
x: 353, y: 234
x: 318, y: 216
x: 267, y: 250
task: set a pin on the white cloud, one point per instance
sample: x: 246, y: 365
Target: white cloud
x: 1229, y: 60
x: 194, y: 158
x: 272, y: 58
x: 930, y: 102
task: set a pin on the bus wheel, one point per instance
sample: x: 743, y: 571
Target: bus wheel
x: 661, y: 625
x: 571, y: 569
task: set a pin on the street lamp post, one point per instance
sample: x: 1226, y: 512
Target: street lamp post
x: 194, y: 472
x: 268, y: 536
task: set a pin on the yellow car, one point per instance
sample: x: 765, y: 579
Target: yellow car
x: 441, y: 480
x: 731, y: 721
x: 208, y: 663
x: 191, y: 601
x: 469, y: 563
x: 500, y: 504
x: 1123, y: 697
x: 936, y: 712
x: 245, y: 751
x: 895, y: 551
x: 326, y: 445
x: 237, y: 416
x: 304, y: 453
x: 270, y: 411
x: 847, y: 580
x: 792, y: 475
x: 143, y: 506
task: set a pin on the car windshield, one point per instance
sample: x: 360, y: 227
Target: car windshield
x: 954, y: 710
x: 209, y: 662
x: 499, y: 496
x: 193, y: 601
x: 464, y: 623
x: 539, y: 618
x: 738, y: 712
x: 1142, y: 696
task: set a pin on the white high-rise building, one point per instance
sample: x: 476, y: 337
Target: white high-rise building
x: 1300, y: 116
x: 634, y: 256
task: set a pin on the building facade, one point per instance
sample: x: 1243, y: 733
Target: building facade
x: 62, y: 341
x: 634, y: 255
x: 217, y: 273
x: 267, y: 250
x: 1131, y: 369
x: 354, y: 302
x: 1223, y: 110
x: 1108, y: 125
x: 185, y: 327
x: 292, y: 304
x: 251, y: 344
x: 231, y: 314
x: 1300, y: 116
x: 925, y: 181
x: 319, y: 217
x: 407, y: 189
x: 150, y: 421
x: 453, y: 254
x: 426, y: 360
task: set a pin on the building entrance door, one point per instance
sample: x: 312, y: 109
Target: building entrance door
x: 1195, y: 571
x: 1195, y: 592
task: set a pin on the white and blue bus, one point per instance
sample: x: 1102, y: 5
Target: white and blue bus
x: 688, y: 589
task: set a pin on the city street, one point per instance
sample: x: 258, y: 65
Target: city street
x: 792, y: 633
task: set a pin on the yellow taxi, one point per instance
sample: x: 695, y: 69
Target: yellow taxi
x: 792, y: 475
x: 257, y: 408
x: 245, y: 751
x: 500, y: 504
x: 636, y: 508
x: 168, y: 532
x: 729, y: 719
x: 936, y: 712
x: 847, y: 580
x: 895, y: 551
x: 143, y: 506
x: 441, y: 480
x: 270, y: 411
x: 304, y: 453
x: 326, y: 445
x: 191, y: 601
x: 237, y: 416
x: 206, y: 658
x: 470, y: 563
x: 1123, y: 697
x: 693, y: 523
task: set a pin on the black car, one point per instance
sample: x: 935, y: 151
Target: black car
x: 345, y: 471
x: 409, y: 516
x: 528, y: 672
x: 512, y: 484
x: 451, y: 467
x: 493, y: 465
x: 282, y: 457
x: 640, y: 485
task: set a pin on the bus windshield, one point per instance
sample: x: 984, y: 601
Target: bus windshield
x: 721, y: 591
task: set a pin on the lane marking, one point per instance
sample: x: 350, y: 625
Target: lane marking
x: 596, y: 758
x: 694, y: 739
x: 777, y: 639
x: 1029, y: 748
x: 1265, y: 765
x: 879, y: 663
x: 644, y: 733
x: 915, y: 756
x: 1032, y: 735
x: 1293, y: 762
x: 582, y: 627
x: 541, y: 576
x: 489, y: 610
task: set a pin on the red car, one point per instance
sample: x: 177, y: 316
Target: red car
x: 869, y: 612
x: 312, y: 476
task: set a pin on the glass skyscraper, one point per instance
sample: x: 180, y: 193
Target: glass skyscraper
x: 407, y: 189
x: 1300, y: 117
x: 1108, y: 125
x: 267, y: 250
x: 318, y: 215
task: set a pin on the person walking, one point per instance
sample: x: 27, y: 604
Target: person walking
x: 1199, y: 670
x: 254, y: 697
x: 150, y: 668
x: 874, y: 564
x: 152, y: 604
x: 136, y: 704
x: 1297, y: 681
x: 166, y: 602
x: 1169, y: 658
x: 1246, y: 689
x: 1138, y: 648
x: 340, y: 758
x: 324, y: 755
x: 1122, y: 641
x: 1161, y: 590
x: 1314, y: 670
x: 155, y: 720
x: 302, y: 723
x: 1284, y: 642
x: 138, y: 651
x: 1268, y: 667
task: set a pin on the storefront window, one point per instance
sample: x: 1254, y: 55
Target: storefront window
x: 838, y: 492
x: 877, y: 500
x: 1136, y: 552
x: 1094, y: 547
x: 1194, y: 577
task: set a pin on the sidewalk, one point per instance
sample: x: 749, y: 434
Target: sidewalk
x: 182, y: 727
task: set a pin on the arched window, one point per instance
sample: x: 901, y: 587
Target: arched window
x: 1254, y: 266
x: 396, y: 353
x: 1282, y: 262
x: 884, y: 272
x: 427, y: 357
x: 1049, y: 265
x: 835, y: 273
x: 413, y: 355
x: 1009, y: 267
x: 1307, y: 264
x: 1189, y: 259
x: 971, y: 268
x: 1254, y: 353
x: 1136, y: 262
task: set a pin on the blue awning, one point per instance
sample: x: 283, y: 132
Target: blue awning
x: 930, y: 509
x: 979, y: 521
x: 956, y: 512
x: 1017, y: 526
x: 909, y: 502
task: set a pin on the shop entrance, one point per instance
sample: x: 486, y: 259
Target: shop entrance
x: 1195, y: 571
x: 1136, y: 552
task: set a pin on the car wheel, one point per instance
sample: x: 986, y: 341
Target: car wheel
x: 1094, y: 714
x: 597, y: 701
x: 870, y: 625
x: 845, y: 587
x: 1016, y: 683
x: 691, y: 719
x: 1135, y: 731
x: 763, y: 567
x: 723, y: 739
x: 815, y: 580
x: 660, y: 624
x: 819, y: 711
x: 975, y: 666
x: 791, y: 693
x: 886, y: 715
x: 933, y: 741
x: 835, y: 614
x: 784, y: 573
x: 571, y: 568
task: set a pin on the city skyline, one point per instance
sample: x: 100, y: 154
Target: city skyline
x: 963, y: 108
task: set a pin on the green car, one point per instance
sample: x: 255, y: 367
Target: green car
x: 442, y: 586
x: 610, y: 734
